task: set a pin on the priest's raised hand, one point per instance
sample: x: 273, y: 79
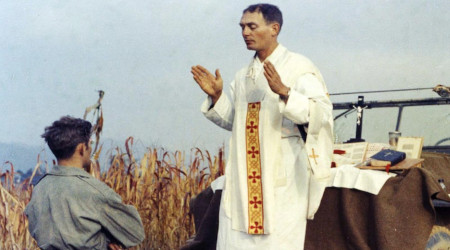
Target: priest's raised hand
x: 274, y: 80
x: 210, y: 84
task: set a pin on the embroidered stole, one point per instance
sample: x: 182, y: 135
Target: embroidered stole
x: 254, y: 181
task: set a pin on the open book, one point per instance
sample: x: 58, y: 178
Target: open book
x: 355, y: 153
x: 349, y: 153
x: 412, y: 146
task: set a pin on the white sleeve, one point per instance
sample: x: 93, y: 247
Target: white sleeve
x: 297, y: 107
x: 222, y: 113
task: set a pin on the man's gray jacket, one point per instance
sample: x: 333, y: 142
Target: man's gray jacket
x: 70, y: 209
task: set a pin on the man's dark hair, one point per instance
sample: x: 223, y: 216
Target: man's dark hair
x: 65, y: 134
x: 270, y: 12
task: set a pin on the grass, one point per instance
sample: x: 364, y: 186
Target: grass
x: 160, y: 185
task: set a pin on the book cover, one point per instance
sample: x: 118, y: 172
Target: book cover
x: 387, y: 156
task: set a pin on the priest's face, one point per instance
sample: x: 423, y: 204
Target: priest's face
x: 258, y: 35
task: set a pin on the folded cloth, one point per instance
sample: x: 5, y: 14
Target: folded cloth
x: 348, y: 176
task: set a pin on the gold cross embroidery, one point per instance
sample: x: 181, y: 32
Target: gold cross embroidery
x: 314, y: 156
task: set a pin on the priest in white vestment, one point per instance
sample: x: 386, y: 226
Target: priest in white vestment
x: 274, y: 180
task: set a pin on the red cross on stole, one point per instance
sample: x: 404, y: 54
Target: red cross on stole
x: 254, y: 184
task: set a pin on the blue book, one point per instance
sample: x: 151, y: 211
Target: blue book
x: 387, y: 156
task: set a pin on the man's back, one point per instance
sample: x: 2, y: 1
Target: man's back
x: 70, y: 209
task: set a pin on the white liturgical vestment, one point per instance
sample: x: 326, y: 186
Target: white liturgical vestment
x: 274, y: 181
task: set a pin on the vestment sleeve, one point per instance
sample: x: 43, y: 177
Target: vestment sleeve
x: 121, y: 221
x: 307, y: 87
x: 222, y: 114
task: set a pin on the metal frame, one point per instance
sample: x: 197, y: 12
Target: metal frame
x: 360, y: 105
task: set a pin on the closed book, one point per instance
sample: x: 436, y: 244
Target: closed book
x: 387, y: 156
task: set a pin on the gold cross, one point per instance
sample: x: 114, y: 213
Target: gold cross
x: 314, y: 156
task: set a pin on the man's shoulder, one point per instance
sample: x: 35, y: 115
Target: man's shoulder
x: 95, y: 187
x: 298, y: 58
x: 297, y: 64
x: 77, y: 185
x: 100, y: 187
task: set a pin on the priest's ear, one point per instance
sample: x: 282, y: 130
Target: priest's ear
x: 275, y: 29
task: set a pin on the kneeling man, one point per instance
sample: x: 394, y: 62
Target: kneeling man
x: 70, y: 209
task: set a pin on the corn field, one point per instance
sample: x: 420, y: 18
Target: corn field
x: 160, y: 184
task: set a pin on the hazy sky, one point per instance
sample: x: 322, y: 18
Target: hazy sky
x: 54, y: 55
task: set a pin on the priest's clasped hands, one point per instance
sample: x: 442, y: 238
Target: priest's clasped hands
x: 213, y: 85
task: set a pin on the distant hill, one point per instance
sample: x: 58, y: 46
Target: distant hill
x: 23, y: 157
